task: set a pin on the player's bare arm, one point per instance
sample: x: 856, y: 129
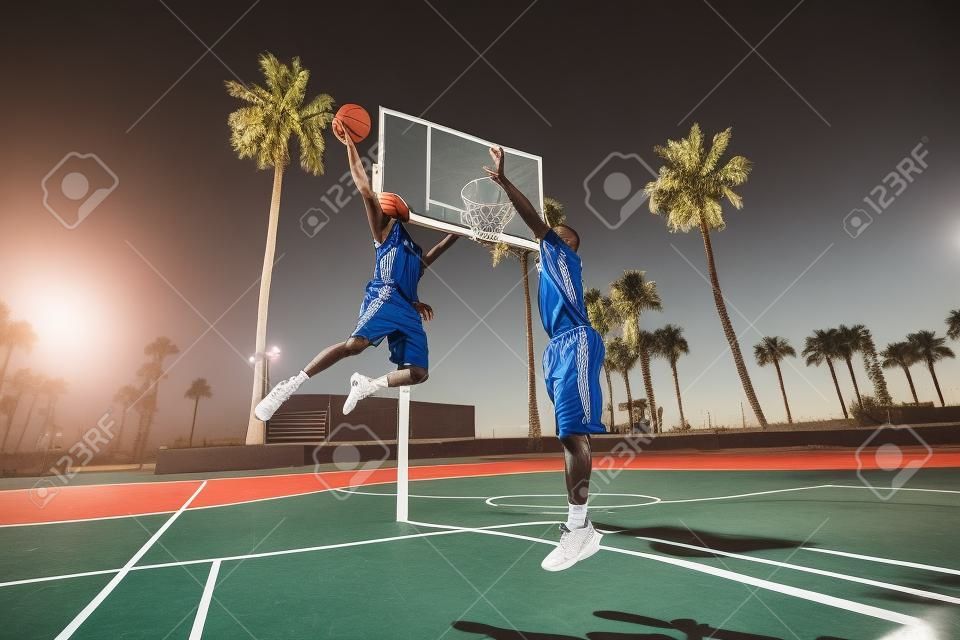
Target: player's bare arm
x: 438, y: 249
x: 379, y: 223
x: 523, y: 205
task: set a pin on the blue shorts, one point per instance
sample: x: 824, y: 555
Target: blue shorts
x: 385, y: 313
x: 571, y: 370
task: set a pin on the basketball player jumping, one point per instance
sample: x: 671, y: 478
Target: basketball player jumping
x: 571, y: 367
x: 390, y: 306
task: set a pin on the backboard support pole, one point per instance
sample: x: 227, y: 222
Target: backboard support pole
x: 403, y: 455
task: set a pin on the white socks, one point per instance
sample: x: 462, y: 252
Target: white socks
x: 382, y: 382
x: 576, y: 516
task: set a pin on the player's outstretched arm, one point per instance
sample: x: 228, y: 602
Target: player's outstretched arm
x: 378, y: 221
x: 523, y: 206
x: 438, y: 249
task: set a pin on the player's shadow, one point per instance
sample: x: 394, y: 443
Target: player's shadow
x: 499, y: 633
x: 718, y: 541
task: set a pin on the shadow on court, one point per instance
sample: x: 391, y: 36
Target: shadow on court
x: 718, y: 541
x: 688, y: 627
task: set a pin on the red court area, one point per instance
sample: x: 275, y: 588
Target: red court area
x: 50, y: 502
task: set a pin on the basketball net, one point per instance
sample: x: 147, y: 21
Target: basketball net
x: 486, y: 210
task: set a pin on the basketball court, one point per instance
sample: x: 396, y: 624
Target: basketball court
x: 739, y: 546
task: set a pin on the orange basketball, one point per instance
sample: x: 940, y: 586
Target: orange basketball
x: 355, y: 120
x: 393, y: 206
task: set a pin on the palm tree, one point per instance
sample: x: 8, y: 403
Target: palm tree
x: 903, y: 355
x: 848, y: 341
x: 862, y: 342
x: 125, y: 396
x: 824, y: 346
x: 34, y: 386
x: 21, y: 381
x: 151, y: 373
x: 622, y: 357
x: 8, y: 407
x: 14, y: 335
x: 669, y: 343
x: 199, y: 388
x: 261, y: 129
x: 771, y: 350
x: 553, y: 212
x: 689, y: 190
x: 632, y: 294
x: 953, y: 325
x: 52, y: 388
x: 931, y: 349
x: 601, y: 315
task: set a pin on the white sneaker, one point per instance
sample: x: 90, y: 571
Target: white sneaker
x: 576, y: 545
x: 277, y: 396
x: 360, y: 387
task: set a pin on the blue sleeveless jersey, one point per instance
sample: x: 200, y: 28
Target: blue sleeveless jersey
x: 561, y: 287
x: 398, y: 263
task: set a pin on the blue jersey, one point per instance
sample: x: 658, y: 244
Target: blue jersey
x: 398, y: 264
x: 561, y: 287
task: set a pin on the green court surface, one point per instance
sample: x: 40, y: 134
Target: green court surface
x: 735, y: 555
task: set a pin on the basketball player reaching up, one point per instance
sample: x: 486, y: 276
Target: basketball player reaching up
x: 390, y: 308
x: 571, y: 368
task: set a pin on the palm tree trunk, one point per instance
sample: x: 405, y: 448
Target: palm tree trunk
x: 256, y: 430
x: 913, y: 390
x: 728, y: 328
x: 533, y: 414
x: 626, y: 383
x: 676, y: 386
x: 853, y: 378
x: 648, y: 384
x: 3, y: 369
x: 613, y: 419
x: 13, y: 414
x: 193, y: 425
x: 833, y: 374
x: 783, y: 391
x: 118, y: 439
x: 936, y: 383
x: 26, y: 424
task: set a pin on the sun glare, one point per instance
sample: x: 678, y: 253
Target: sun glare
x: 67, y: 319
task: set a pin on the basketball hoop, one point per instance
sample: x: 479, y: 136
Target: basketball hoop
x: 486, y: 210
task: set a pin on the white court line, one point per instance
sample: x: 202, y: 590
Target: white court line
x: 267, y: 554
x: 804, y: 594
x: 930, y: 595
x: 121, y: 574
x: 204, y: 607
x: 900, y: 563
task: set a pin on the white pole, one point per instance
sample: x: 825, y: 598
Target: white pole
x: 403, y: 457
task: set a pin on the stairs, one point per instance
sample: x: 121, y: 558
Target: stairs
x: 298, y: 427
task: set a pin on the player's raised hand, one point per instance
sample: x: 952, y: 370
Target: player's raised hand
x: 425, y: 311
x: 340, y: 132
x: 496, y: 174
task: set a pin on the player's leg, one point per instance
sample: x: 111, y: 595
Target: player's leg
x: 572, y: 370
x: 408, y: 350
x: 324, y: 360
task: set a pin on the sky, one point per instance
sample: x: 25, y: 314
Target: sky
x: 827, y: 99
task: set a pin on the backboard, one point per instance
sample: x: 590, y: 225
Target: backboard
x: 428, y: 165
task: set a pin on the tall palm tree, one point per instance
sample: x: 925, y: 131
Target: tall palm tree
x: 669, y: 343
x: 35, y: 386
x: 953, y: 325
x: 21, y: 382
x: 199, y: 388
x: 689, y: 190
x: 771, y: 350
x: 125, y: 396
x: 824, y: 346
x: 151, y: 373
x: 8, y: 407
x: 931, y: 349
x: 632, y: 294
x: 622, y: 357
x: 261, y: 129
x: 848, y: 341
x: 601, y: 315
x: 52, y: 388
x: 862, y: 340
x: 14, y: 335
x: 903, y: 355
